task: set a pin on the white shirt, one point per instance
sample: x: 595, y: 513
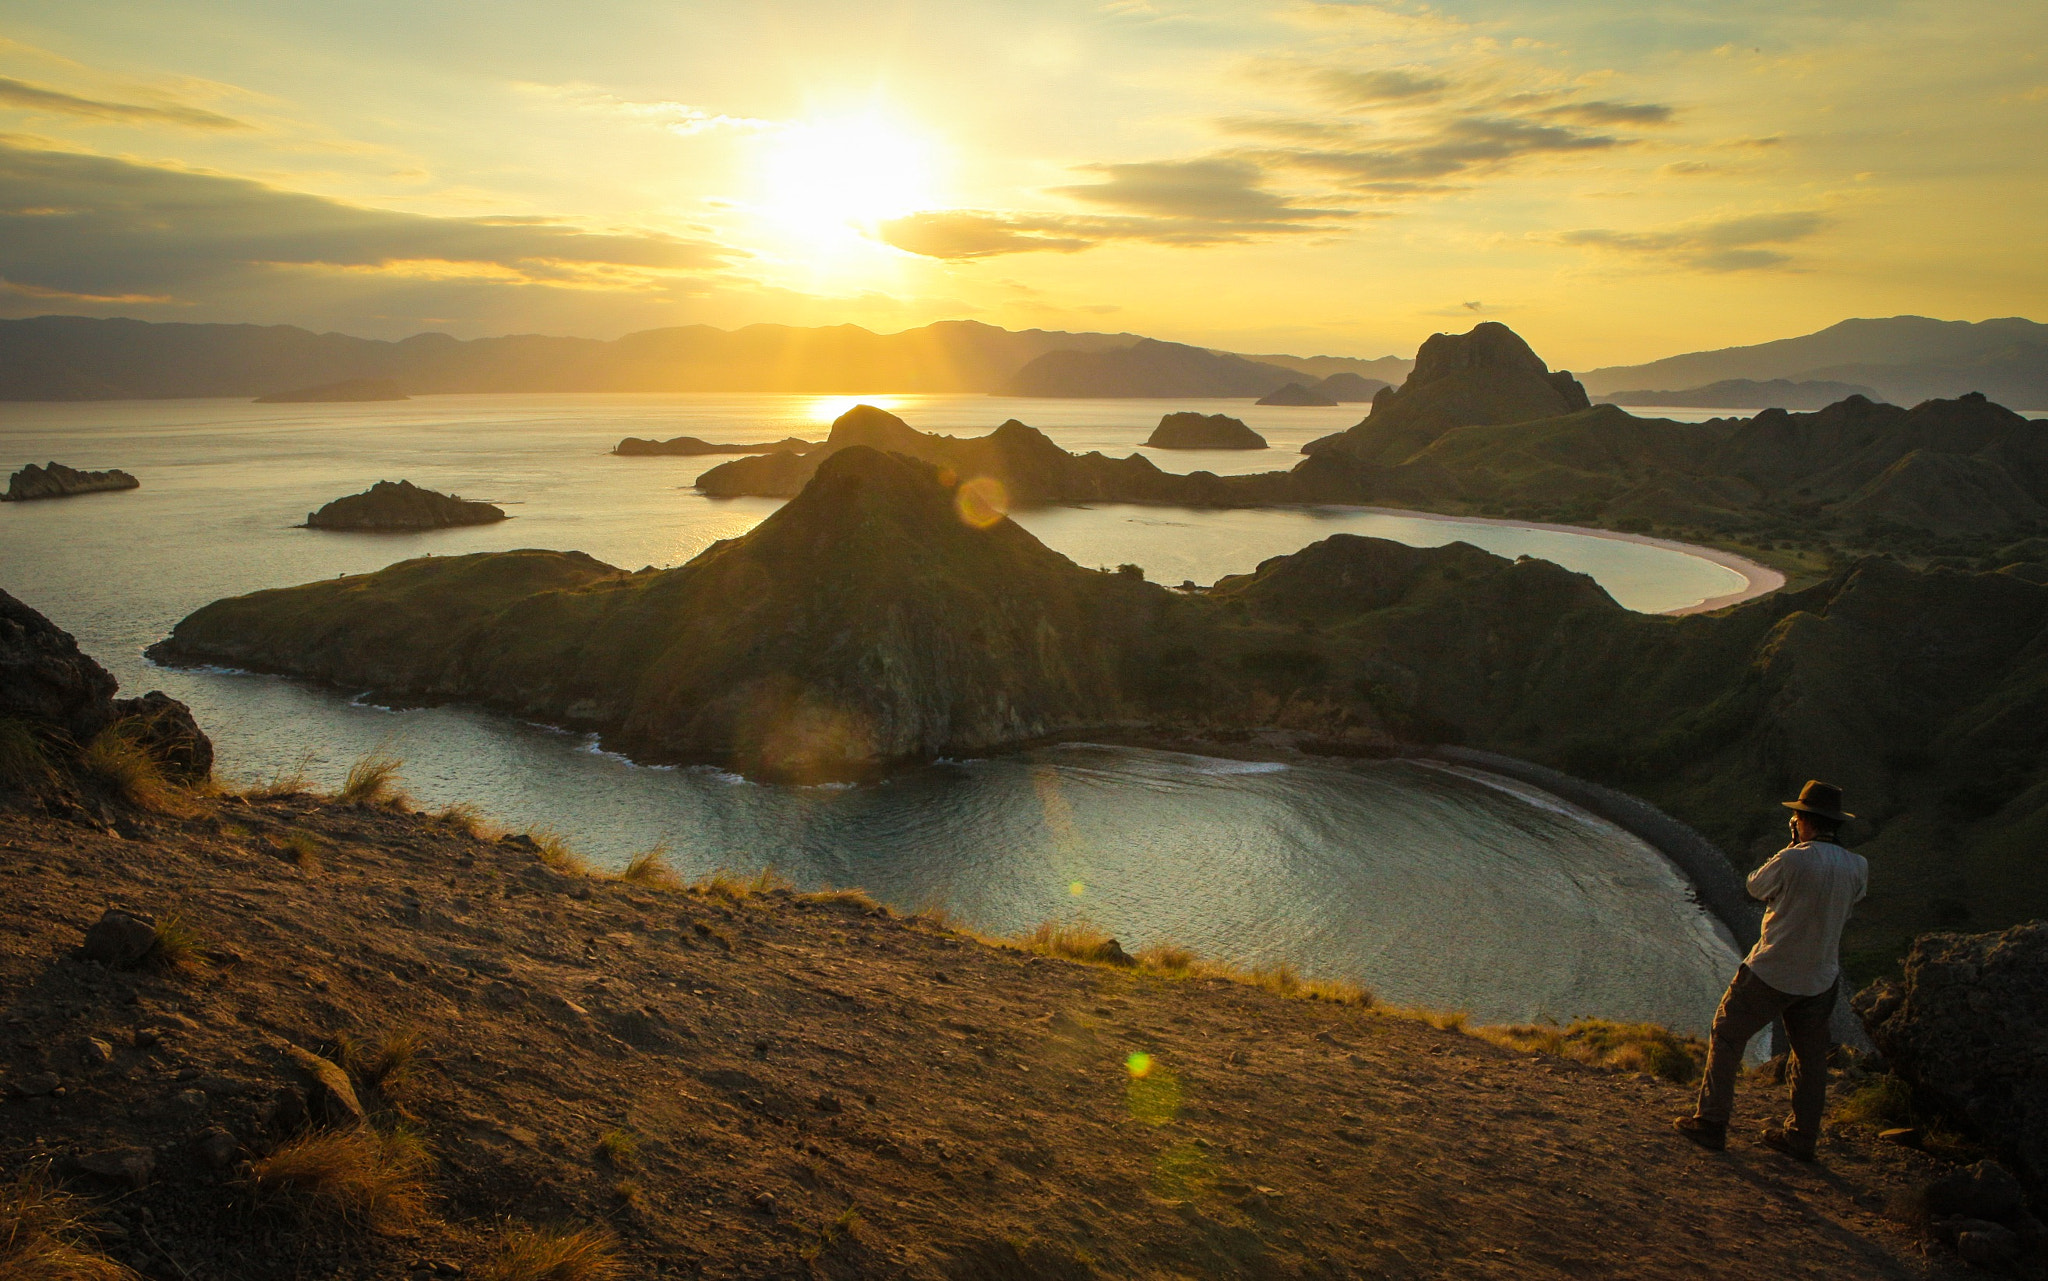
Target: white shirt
x: 1810, y: 888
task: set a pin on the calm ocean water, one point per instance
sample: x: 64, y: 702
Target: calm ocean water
x: 1433, y: 887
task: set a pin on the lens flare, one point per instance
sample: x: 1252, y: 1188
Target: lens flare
x: 1076, y: 888
x: 1139, y: 1064
x: 982, y: 501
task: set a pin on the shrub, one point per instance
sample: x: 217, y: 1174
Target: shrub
x: 384, y: 1059
x: 24, y: 764
x: 288, y: 780
x: 619, y: 1148
x: 1882, y: 1102
x: 300, y: 848
x: 356, y: 1177
x: 1626, y: 1047
x: 44, y: 1236
x: 1166, y: 958
x: 123, y: 763
x: 651, y: 868
x: 179, y: 946
x: 373, y: 780
x: 554, y: 1254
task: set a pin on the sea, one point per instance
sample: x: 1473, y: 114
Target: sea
x: 1433, y: 886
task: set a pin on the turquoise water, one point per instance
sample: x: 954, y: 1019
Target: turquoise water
x: 1432, y: 887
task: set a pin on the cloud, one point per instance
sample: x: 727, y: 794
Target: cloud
x: 1364, y: 88
x: 1454, y: 147
x: 1742, y: 243
x: 1613, y: 113
x: 23, y: 96
x: 103, y: 231
x: 1217, y: 190
x: 676, y: 117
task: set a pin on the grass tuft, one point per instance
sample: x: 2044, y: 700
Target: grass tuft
x: 122, y: 762
x: 1168, y: 958
x: 554, y: 851
x: 24, y: 762
x: 180, y: 947
x: 1624, y: 1047
x: 45, y: 1236
x: 652, y: 869
x: 1882, y: 1102
x: 300, y: 848
x: 383, y: 1060
x: 620, y: 1149
x: 373, y: 780
x: 467, y: 818
x: 554, y: 1254
x: 729, y: 885
x: 853, y: 898
x: 288, y: 780
x: 1074, y: 941
x: 1078, y: 940
x: 355, y: 1177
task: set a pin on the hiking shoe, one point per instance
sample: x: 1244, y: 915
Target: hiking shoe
x: 1779, y: 1139
x: 1702, y: 1131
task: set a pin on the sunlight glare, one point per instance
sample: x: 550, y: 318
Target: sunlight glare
x: 830, y: 181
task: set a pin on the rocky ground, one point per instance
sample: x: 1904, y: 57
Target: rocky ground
x: 730, y: 1083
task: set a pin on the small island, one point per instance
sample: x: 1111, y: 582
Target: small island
x: 59, y: 481
x: 1190, y: 430
x: 1347, y: 388
x: 401, y: 506
x: 1296, y: 394
x: 346, y: 391
x: 691, y: 447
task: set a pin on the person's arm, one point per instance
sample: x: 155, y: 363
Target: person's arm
x: 1764, y: 883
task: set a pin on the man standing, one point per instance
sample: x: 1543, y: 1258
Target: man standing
x: 1791, y: 973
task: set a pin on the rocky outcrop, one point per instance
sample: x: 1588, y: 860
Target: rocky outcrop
x: 67, y: 699
x: 1487, y: 376
x: 343, y: 392
x: 1967, y: 1025
x: 1190, y: 430
x: 401, y: 506
x: 691, y: 447
x: 1296, y: 394
x: 58, y: 481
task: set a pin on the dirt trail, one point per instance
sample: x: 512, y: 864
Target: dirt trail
x: 821, y: 1089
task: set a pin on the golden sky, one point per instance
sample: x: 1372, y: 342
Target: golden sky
x: 1617, y: 180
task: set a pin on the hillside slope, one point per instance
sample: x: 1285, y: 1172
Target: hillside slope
x: 735, y: 1085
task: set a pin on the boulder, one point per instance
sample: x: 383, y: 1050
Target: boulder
x: 1189, y: 430
x: 330, y: 1095
x: 119, y: 939
x: 1967, y: 1026
x: 59, y: 481
x: 1986, y: 1190
x: 166, y: 729
x: 131, y: 1166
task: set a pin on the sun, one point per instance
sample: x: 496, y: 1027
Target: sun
x: 830, y: 182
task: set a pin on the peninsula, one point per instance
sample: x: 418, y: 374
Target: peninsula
x: 401, y: 506
x: 58, y: 481
x: 691, y: 447
x: 345, y: 391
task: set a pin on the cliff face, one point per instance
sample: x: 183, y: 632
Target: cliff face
x: 59, y: 481
x: 401, y: 506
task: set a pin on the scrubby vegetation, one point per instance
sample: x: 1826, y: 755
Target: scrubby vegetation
x: 357, y: 1177
x: 1626, y: 1047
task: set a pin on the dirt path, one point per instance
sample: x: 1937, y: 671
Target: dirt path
x: 817, y: 1088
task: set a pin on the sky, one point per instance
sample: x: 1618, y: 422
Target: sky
x: 1618, y: 180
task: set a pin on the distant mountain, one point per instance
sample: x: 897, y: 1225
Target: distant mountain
x: 1298, y: 395
x: 347, y: 390
x: 1347, y: 388
x: 1148, y: 368
x: 1384, y: 369
x: 78, y: 358
x: 1747, y: 393
x: 1906, y: 359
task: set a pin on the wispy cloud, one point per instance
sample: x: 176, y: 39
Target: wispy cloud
x: 1744, y: 242
x: 21, y: 95
x: 676, y: 117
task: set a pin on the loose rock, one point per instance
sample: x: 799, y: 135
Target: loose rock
x: 330, y: 1096
x: 120, y: 939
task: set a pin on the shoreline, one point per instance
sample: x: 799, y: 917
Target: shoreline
x: 1759, y: 580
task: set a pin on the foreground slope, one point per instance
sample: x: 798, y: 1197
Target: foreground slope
x: 769, y: 1086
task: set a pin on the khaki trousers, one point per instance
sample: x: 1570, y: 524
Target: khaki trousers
x: 1748, y: 1007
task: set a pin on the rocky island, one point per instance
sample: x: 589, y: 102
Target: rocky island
x: 58, y: 481
x: 691, y: 447
x: 1190, y: 430
x: 1296, y: 394
x: 345, y: 391
x: 401, y: 506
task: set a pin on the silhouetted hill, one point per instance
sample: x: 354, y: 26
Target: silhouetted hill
x: 1906, y: 358
x: 1745, y: 393
x: 1348, y: 388
x: 1147, y: 368
x: 347, y: 390
x: 1296, y: 394
x: 77, y: 358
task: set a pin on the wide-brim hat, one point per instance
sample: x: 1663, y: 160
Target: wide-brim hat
x: 1823, y: 800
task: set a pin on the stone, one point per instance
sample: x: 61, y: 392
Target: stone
x: 46, y: 681
x: 1903, y: 1135
x: 1986, y: 1190
x: 93, y: 1053
x: 187, y: 1105
x: 37, y: 1084
x: 119, y: 939
x: 132, y: 1166
x: 217, y: 1147
x: 145, y: 1037
x: 828, y: 1102
x: 764, y: 1202
x: 167, y: 731
x: 330, y: 1095
x: 1966, y: 1025
x: 1988, y: 1247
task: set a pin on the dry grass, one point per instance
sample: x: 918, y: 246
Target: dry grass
x: 24, y: 763
x: 124, y: 765
x: 853, y: 898
x: 289, y: 780
x: 180, y: 947
x: 355, y: 1177
x: 1624, y: 1047
x: 729, y: 885
x: 554, y: 1254
x: 44, y: 1236
x: 1882, y: 1102
x: 467, y: 818
x: 1074, y: 941
x: 301, y: 849
x: 553, y: 850
x: 1284, y: 980
x: 1078, y: 940
x: 382, y: 1060
x: 652, y: 869
x: 1168, y: 958
x: 373, y: 780
x: 619, y: 1149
